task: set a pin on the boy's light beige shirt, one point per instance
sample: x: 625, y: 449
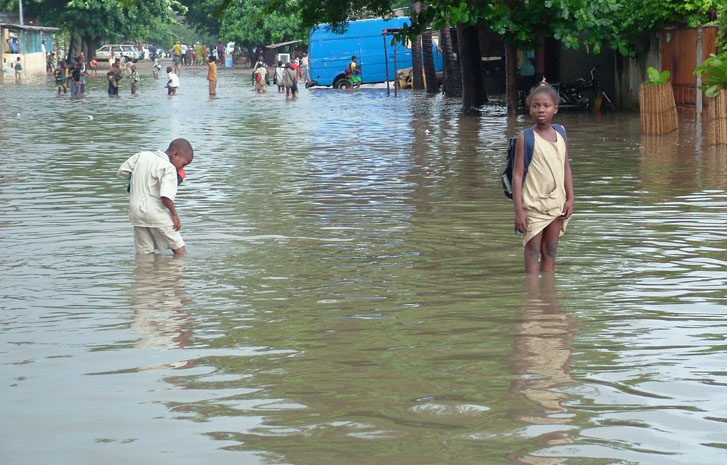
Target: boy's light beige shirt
x: 152, y: 177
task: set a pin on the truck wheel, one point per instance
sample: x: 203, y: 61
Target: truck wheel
x: 342, y: 83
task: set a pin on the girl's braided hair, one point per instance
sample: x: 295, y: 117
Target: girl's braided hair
x: 543, y: 88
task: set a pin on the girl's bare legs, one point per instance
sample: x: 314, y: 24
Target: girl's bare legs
x: 549, y: 246
x: 532, y: 253
x: 540, y: 252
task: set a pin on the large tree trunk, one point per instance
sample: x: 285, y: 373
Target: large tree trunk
x: 251, y: 57
x: 93, y: 44
x: 511, y: 78
x: 452, y: 86
x: 416, y: 55
x: 69, y: 52
x: 473, y: 90
x: 428, y: 56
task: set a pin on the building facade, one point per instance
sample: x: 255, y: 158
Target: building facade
x: 30, y: 43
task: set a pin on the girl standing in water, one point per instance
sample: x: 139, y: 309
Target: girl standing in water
x: 542, y: 192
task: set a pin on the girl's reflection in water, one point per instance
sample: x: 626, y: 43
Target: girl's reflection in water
x: 158, y: 302
x: 543, y: 358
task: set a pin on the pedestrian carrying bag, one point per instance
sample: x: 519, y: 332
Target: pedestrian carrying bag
x: 529, y: 137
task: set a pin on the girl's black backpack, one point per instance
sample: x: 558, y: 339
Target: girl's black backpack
x: 510, y: 157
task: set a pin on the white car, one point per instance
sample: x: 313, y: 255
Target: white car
x: 104, y: 53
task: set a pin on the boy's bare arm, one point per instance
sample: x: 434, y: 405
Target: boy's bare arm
x: 175, y: 218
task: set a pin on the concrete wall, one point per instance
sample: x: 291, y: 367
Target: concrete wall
x: 33, y: 63
x: 629, y: 73
x: 32, y: 59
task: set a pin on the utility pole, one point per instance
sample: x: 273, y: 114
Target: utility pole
x: 21, y: 11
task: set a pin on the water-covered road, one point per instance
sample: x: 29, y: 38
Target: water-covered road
x: 353, y: 292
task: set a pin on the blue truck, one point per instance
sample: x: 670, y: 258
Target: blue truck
x: 330, y: 53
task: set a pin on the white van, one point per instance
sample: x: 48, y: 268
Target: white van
x: 119, y: 50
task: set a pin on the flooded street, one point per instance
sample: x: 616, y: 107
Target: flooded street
x: 353, y: 292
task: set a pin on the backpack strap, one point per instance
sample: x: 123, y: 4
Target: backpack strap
x: 529, y: 136
x: 560, y: 129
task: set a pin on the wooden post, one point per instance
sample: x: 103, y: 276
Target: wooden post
x: 396, y: 81
x: 699, y: 76
x: 386, y: 63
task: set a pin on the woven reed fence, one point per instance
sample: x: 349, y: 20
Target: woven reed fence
x: 717, y: 119
x: 658, y: 109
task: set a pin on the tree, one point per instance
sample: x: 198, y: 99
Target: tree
x: 90, y: 21
x: 204, y: 15
x: 473, y: 91
x: 452, y: 86
x: 428, y: 58
x: 521, y: 23
x: 250, y: 24
x: 416, y: 55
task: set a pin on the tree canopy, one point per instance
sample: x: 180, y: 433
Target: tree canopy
x: 94, y: 19
x: 249, y: 23
x: 595, y: 23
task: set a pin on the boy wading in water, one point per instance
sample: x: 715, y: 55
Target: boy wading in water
x: 544, y: 201
x: 152, y: 189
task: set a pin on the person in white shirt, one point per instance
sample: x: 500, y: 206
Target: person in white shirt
x: 279, y: 70
x: 172, y: 82
x: 153, y: 178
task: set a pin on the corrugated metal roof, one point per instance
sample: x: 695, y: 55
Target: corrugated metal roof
x: 28, y: 28
x: 290, y: 42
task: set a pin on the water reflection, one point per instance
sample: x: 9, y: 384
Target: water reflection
x: 543, y: 359
x: 158, y: 302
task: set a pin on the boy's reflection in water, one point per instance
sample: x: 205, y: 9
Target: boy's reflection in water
x: 158, y: 302
x: 543, y: 359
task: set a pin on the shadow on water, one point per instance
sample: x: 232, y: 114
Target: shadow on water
x: 353, y: 292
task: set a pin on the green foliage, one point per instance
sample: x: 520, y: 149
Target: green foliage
x: 251, y: 23
x: 722, y: 33
x: 657, y: 78
x: 594, y: 23
x: 522, y: 22
x: 333, y: 12
x: 96, y: 19
x: 714, y: 75
x: 204, y: 15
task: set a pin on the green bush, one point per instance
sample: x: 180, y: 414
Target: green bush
x: 714, y: 75
x: 656, y: 78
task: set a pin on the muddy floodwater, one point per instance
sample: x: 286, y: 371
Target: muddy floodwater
x: 353, y: 292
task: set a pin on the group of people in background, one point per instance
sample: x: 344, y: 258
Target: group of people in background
x: 197, y: 54
x: 286, y: 75
x: 72, y: 74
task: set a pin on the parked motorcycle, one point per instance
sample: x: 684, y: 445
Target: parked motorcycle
x: 584, y: 95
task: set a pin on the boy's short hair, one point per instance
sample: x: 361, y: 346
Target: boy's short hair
x: 169, y: 69
x: 543, y: 88
x: 181, y: 145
